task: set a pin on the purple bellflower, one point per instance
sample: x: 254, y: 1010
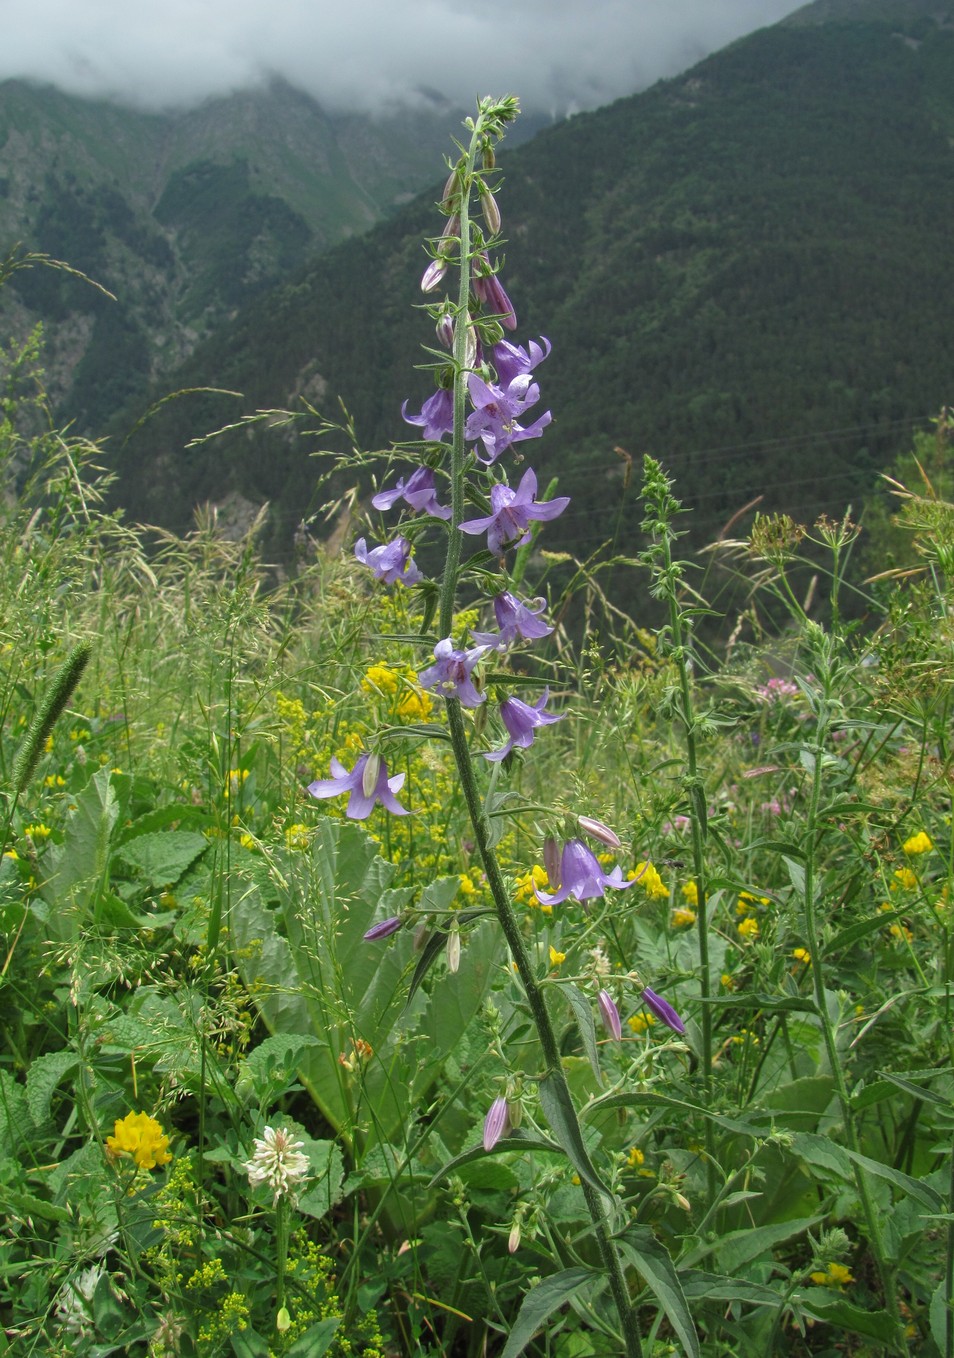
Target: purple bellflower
x: 496, y: 1123
x: 436, y: 417
x: 451, y: 675
x: 517, y: 619
x: 521, y: 720
x: 495, y: 417
x: 368, y: 783
x: 582, y: 877
x: 663, y: 1010
x: 513, y: 510
x: 418, y: 491
x: 391, y: 562
x: 610, y: 1015
x: 510, y: 360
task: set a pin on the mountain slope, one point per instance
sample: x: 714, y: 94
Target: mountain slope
x: 746, y: 270
x: 183, y: 216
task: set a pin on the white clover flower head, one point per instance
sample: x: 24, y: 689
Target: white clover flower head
x: 277, y: 1162
x: 75, y: 1299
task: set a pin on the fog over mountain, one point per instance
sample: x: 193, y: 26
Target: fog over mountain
x: 369, y: 55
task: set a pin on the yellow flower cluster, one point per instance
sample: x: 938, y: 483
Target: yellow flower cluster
x: 525, y: 890
x: 682, y: 916
x: 639, y: 1023
x: 919, y: 843
x: 835, y: 1275
x: 142, y: 1137
x: 749, y: 929
x: 651, y: 882
x: 409, y: 701
x: 691, y: 893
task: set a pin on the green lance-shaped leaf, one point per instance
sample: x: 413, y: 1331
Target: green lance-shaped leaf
x: 540, y: 1303
x: 652, y: 1259
x: 57, y: 695
x: 561, y: 1115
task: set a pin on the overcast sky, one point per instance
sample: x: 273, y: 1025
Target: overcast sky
x: 558, y: 55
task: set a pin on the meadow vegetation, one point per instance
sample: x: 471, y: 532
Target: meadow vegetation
x: 232, y: 1123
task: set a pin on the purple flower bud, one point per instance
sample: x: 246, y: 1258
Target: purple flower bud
x: 496, y: 1123
x: 384, y: 929
x: 445, y: 330
x: 610, y: 1015
x: 488, y: 206
x: 599, y: 831
x: 433, y: 274
x: 551, y: 861
x: 663, y: 1010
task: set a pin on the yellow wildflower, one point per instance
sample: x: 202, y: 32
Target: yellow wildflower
x: 142, y: 1137
x: 54, y: 780
x: 746, y: 903
x: 526, y: 884
x: 682, y: 916
x: 556, y: 957
x: 901, y: 933
x: 749, y: 928
x: 726, y: 981
x: 904, y: 877
x: 919, y: 843
x: 836, y: 1275
x: 691, y: 893
x: 467, y: 884
x: 248, y: 841
x: 650, y: 881
x: 638, y: 1023
x: 234, y: 781
x: 297, y: 836
x: 415, y: 706
x: 37, y: 831
x: 802, y: 955
x: 380, y: 677
x: 635, y: 1157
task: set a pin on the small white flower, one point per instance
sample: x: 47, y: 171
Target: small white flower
x: 74, y: 1301
x: 277, y: 1161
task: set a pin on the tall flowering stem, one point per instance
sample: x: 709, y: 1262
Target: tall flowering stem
x: 667, y: 584
x: 489, y: 124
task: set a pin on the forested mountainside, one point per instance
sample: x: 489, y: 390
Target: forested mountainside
x: 746, y: 270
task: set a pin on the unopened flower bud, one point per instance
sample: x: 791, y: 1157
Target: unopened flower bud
x: 453, y: 950
x: 450, y: 190
x: 445, y: 330
x: 496, y: 1123
x: 370, y: 775
x: 488, y: 205
x: 610, y: 1015
x: 433, y: 274
x: 663, y: 1010
x: 283, y: 1320
x: 515, y: 1109
x: 488, y: 159
x: 513, y: 1243
x: 599, y: 831
x: 383, y: 929
x: 552, y: 862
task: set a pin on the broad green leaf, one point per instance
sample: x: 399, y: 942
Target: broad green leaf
x: 323, y: 1189
x: 796, y: 874
x: 561, y: 1115
x: 915, y: 1188
x: 268, y: 1068
x: 652, y: 1259
x: 740, y: 1247
x: 651, y: 1099
x: 44, y: 1075
x: 163, y: 858
x: 825, y: 1305
x: 518, y: 1141
x: 316, y: 1341
x: 539, y: 1304
x: 24, y: 1205
x: 941, y: 1317
x: 855, y: 932
x: 700, y: 1286
x: 81, y: 862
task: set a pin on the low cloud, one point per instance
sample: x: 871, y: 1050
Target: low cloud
x: 369, y: 55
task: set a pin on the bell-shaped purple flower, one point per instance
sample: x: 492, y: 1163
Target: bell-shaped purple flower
x: 497, y: 411
x: 511, y: 360
x: 496, y: 1123
x: 582, y: 877
x: 610, y: 1015
x: 450, y: 676
x: 521, y: 720
x: 383, y: 929
x: 368, y: 783
x: 418, y: 491
x: 513, y: 511
x: 517, y: 619
x: 437, y: 415
x: 391, y: 562
x: 663, y: 1010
